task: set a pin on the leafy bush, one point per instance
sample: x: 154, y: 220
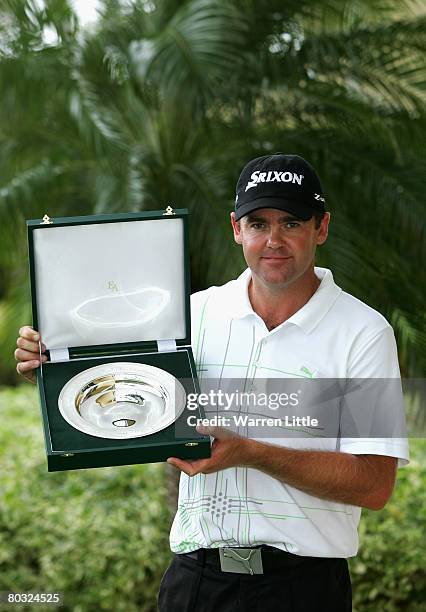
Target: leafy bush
x: 388, y: 572
x: 99, y: 536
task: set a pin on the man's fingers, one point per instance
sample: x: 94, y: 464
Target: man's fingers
x: 192, y: 468
x: 206, y: 430
x: 28, y: 356
x: 28, y: 345
x: 28, y: 352
x: 29, y: 333
x: 23, y: 367
x: 185, y: 466
x: 26, y: 369
x: 216, y: 432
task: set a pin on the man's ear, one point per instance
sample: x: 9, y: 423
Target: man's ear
x: 323, y: 229
x: 236, y: 226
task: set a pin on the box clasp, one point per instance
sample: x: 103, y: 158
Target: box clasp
x: 46, y: 220
x: 169, y: 211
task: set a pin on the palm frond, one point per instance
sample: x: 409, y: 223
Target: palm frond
x: 165, y: 103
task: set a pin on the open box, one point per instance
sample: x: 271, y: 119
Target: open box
x: 110, y: 290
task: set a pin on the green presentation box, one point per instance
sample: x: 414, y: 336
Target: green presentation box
x: 108, y: 290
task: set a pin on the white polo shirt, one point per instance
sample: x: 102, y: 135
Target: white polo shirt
x: 334, y: 335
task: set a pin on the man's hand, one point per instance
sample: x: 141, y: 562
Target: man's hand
x: 228, y: 450
x: 28, y: 353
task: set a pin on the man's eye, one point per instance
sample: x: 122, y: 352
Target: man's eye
x: 258, y: 225
x: 292, y: 224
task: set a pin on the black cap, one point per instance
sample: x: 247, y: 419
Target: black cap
x: 286, y: 182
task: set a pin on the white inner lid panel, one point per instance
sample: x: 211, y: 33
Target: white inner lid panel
x: 108, y: 283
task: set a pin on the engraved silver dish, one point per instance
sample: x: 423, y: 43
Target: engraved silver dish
x: 122, y: 400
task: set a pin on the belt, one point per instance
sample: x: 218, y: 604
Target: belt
x: 259, y: 560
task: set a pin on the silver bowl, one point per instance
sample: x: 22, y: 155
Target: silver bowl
x: 122, y: 400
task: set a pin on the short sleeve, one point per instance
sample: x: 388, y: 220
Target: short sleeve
x: 372, y: 414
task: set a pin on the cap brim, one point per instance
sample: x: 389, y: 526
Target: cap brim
x: 298, y: 209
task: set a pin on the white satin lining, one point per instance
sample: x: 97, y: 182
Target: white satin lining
x: 109, y: 283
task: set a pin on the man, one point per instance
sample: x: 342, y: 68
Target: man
x: 269, y: 524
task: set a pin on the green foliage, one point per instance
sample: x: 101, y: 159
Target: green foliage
x: 99, y: 536
x: 388, y: 572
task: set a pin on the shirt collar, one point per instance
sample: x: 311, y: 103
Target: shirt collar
x: 307, y: 317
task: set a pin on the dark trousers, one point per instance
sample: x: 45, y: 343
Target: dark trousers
x: 313, y: 585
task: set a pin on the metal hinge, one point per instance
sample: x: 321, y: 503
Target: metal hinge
x: 46, y: 220
x: 169, y: 211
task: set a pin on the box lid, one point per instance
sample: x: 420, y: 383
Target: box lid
x: 110, y: 279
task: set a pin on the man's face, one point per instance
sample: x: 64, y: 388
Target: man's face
x: 278, y: 247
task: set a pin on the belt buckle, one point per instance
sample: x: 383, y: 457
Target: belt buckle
x: 241, y: 560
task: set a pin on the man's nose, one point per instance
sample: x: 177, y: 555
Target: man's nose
x: 275, y: 238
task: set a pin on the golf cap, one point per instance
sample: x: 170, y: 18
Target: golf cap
x: 286, y: 182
